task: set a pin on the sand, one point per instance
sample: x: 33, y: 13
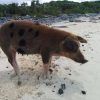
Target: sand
x: 82, y: 82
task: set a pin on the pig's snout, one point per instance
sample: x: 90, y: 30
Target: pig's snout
x: 82, y: 61
x: 80, y: 58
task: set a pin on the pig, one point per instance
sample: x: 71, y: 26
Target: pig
x: 26, y: 37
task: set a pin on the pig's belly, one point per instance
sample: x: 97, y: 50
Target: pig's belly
x: 28, y: 50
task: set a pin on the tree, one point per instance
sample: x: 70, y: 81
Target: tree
x: 12, y: 8
x: 23, y: 9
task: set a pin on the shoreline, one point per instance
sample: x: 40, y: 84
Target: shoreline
x: 54, y: 19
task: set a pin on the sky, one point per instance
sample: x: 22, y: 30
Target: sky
x: 29, y: 1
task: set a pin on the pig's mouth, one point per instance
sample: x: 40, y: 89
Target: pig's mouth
x: 82, y: 61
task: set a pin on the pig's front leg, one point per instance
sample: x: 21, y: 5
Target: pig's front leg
x: 46, y: 58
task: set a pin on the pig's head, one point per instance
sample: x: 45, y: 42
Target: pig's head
x: 70, y: 48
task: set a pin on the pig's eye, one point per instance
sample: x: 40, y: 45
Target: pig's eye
x: 70, y: 45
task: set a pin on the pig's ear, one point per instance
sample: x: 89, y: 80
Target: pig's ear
x: 82, y: 40
x: 69, y: 45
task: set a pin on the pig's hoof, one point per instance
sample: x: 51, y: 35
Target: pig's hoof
x: 19, y: 83
x: 44, y: 75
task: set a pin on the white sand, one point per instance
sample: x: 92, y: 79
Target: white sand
x: 83, y: 77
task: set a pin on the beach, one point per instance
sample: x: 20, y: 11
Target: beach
x: 81, y: 82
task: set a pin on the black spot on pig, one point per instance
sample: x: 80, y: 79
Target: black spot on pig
x: 35, y: 33
x: 70, y: 45
x: 11, y: 25
x: 21, y: 51
x: 21, y: 32
x: 11, y: 34
x: 30, y: 30
x: 22, y: 42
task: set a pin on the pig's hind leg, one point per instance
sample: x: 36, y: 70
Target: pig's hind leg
x: 11, y: 54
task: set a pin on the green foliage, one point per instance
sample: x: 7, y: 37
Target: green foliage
x: 52, y: 8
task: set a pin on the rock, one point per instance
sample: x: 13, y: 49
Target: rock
x: 63, y: 86
x: 60, y: 91
x: 69, y: 74
x: 83, y: 92
x: 50, y: 70
x: 82, y: 45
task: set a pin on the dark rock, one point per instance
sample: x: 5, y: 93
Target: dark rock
x: 50, y: 70
x: 60, y: 91
x: 83, y: 92
x: 53, y: 91
x: 7, y: 67
x: 82, y: 45
x: 63, y: 86
x: 54, y: 86
x: 69, y: 74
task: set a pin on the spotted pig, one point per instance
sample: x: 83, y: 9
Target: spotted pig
x: 26, y: 37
